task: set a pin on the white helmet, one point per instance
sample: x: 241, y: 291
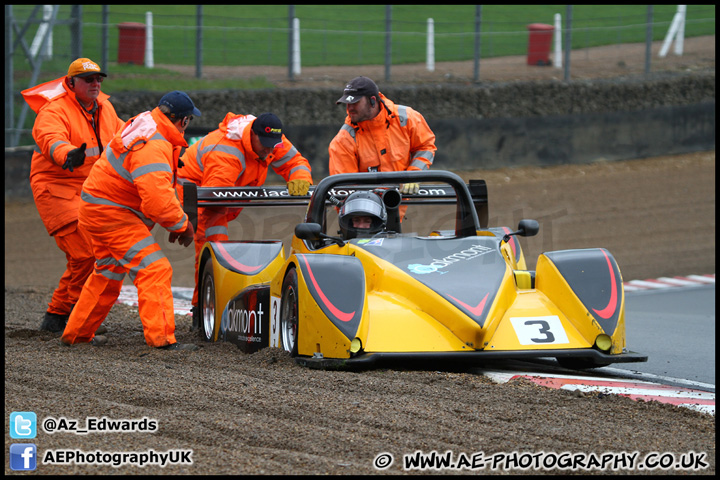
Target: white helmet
x: 362, y: 204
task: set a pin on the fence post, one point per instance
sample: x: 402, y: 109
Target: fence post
x: 476, y: 66
x: 430, y: 59
x: 680, y: 38
x: 198, y: 43
x: 568, y: 40
x: 9, y: 94
x: 557, y: 56
x: 149, y: 58
x: 676, y: 31
x: 105, y: 38
x: 648, y: 39
x: 76, y: 32
x: 291, y: 39
x: 42, y: 31
x: 388, y: 41
x: 296, y: 46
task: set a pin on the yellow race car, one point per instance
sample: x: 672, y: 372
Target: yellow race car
x: 460, y: 293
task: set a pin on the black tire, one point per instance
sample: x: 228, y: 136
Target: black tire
x: 578, y: 363
x: 289, y: 313
x: 206, y: 303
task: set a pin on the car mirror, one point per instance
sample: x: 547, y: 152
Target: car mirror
x: 528, y: 228
x: 308, y: 231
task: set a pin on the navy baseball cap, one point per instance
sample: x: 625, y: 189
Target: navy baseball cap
x: 269, y: 128
x: 357, y: 88
x: 179, y: 104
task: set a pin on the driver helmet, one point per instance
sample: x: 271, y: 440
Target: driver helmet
x: 362, y: 204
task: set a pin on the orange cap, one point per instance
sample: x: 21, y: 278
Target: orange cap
x: 82, y: 67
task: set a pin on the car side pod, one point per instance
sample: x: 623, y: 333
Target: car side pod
x: 588, y: 285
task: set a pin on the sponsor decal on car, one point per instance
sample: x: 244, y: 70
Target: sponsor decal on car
x: 246, y: 323
x: 468, y: 254
x: 371, y: 241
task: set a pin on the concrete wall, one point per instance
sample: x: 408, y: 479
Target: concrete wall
x: 480, y: 126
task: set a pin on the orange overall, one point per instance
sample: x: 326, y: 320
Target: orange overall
x: 225, y: 158
x: 63, y: 125
x: 397, y: 139
x: 130, y: 189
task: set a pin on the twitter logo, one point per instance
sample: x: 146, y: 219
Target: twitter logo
x: 23, y: 425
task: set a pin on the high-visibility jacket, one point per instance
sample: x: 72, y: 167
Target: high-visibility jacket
x: 397, y: 139
x: 225, y: 158
x: 63, y: 125
x: 137, y: 174
x: 128, y: 191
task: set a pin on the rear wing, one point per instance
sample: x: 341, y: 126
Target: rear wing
x: 195, y: 197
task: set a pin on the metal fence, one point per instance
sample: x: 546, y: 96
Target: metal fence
x: 42, y: 40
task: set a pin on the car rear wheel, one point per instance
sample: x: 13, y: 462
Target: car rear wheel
x: 206, y: 303
x: 289, y: 313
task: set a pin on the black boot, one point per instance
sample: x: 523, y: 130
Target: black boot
x: 53, y: 322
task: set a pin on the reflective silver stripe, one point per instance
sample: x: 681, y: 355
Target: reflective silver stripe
x: 118, y: 277
x: 91, y: 152
x: 348, y: 129
x: 199, y: 154
x: 299, y: 167
x: 419, y: 164
x: 117, y: 164
x: 424, y: 154
x: 402, y: 115
x: 153, y: 167
x: 146, y: 261
x: 178, y: 225
x: 109, y: 261
x: 229, y: 149
x: 54, y: 146
x: 281, y: 161
x: 234, y: 151
x: 103, y: 201
x: 219, y: 230
x: 156, y: 136
x: 135, y: 249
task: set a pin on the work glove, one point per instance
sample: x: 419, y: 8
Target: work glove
x: 409, y: 188
x: 298, y: 187
x: 184, y: 237
x: 75, y: 158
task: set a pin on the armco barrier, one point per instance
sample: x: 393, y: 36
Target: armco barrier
x: 479, y: 127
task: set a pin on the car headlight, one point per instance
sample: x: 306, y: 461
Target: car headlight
x: 355, y: 346
x: 603, y: 342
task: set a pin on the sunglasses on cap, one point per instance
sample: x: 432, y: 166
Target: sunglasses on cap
x: 93, y: 78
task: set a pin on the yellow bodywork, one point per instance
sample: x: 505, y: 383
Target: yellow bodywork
x: 401, y: 314
x: 229, y: 283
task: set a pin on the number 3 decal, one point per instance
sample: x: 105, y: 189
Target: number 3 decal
x: 274, y: 321
x: 539, y: 330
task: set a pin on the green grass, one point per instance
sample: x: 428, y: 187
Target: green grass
x: 246, y: 35
x: 355, y: 34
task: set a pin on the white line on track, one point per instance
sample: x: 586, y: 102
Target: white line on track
x: 635, y: 389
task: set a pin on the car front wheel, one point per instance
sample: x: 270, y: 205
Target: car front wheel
x: 207, y: 303
x: 289, y: 313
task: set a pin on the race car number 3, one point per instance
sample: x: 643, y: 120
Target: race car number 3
x: 546, y: 330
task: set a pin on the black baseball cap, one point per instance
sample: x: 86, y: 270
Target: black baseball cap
x: 357, y: 88
x: 269, y: 128
x: 179, y: 104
